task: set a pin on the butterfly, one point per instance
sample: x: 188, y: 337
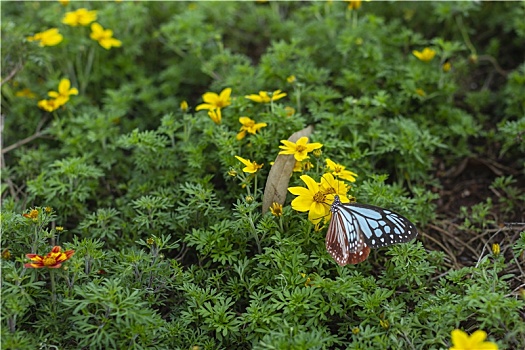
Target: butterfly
x: 355, y: 228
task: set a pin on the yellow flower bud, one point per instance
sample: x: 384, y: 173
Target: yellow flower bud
x: 496, y: 249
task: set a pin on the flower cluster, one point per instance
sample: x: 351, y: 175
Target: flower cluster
x: 52, y: 37
x: 84, y: 17
x: 317, y: 198
x: 58, y: 98
x: 80, y: 17
x: 214, y: 103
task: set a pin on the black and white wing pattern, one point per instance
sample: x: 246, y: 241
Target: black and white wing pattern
x: 355, y: 228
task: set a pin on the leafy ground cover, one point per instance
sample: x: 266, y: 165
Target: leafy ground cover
x: 137, y: 146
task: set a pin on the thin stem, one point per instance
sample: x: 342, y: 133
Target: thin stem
x: 297, y: 92
x: 255, y: 187
x: 254, y: 231
x: 464, y: 34
x: 87, y: 70
x: 35, y: 241
x: 53, y: 287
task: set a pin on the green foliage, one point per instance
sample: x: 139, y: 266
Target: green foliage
x: 172, y: 250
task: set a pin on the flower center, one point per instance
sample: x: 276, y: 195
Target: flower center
x: 49, y: 261
x: 319, y: 197
x: 300, y: 148
x: 337, y: 169
x: 329, y: 191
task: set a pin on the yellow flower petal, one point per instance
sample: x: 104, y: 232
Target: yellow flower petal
x: 300, y: 191
x: 302, y: 204
x: 310, y: 183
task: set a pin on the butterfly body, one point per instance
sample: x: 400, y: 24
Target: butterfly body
x: 355, y: 228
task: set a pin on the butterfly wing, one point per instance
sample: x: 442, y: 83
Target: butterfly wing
x: 380, y: 227
x: 345, y: 241
x: 355, y: 228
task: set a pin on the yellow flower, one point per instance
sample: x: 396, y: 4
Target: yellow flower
x: 276, y: 209
x: 264, y: 97
x: 59, y: 228
x: 311, y: 199
x: 308, y: 282
x: 215, y: 115
x: 50, y: 37
x: 305, y: 165
x: 421, y: 92
x: 25, y: 93
x: 48, y: 105
x: 104, y: 36
x: 353, y: 4
x: 289, y: 111
x: 426, y: 55
x: 291, y: 79
x: 33, y: 214
x: 339, y: 171
x: 251, y: 167
x: 63, y: 2
x: 81, y: 17
x: 52, y: 260
x: 59, y: 98
x: 214, y: 101
x: 232, y: 172
x: 6, y: 254
x: 300, y: 149
x: 496, y: 249
x: 64, y: 91
x: 184, y: 106
x: 462, y: 341
x: 249, y: 126
x: 447, y: 66
x: 330, y: 186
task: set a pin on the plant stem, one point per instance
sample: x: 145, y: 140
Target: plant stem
x: 53, y: 287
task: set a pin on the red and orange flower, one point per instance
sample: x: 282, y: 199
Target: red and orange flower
x: 52, y: 260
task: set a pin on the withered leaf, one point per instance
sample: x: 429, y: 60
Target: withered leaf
x: 277, y: 183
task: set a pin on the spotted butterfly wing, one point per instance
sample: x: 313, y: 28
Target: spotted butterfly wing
x: 355, y: 228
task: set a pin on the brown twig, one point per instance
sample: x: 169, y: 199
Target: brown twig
x: 12, y: 74
x: 28, y: 139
